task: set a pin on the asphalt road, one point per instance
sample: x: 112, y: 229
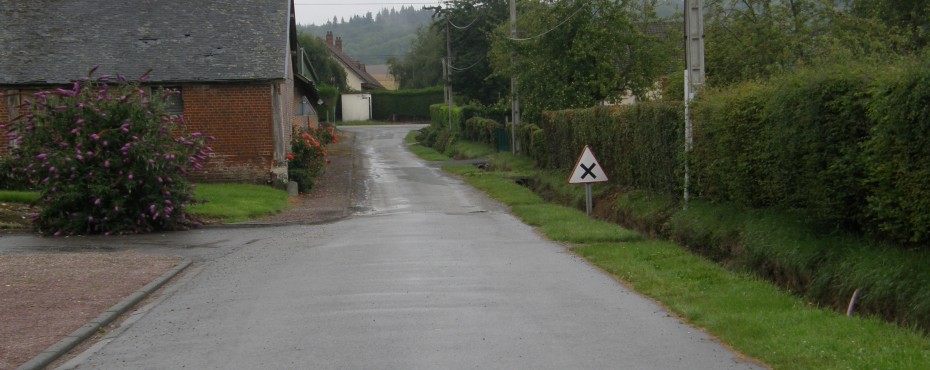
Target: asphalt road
x: 429, y: 274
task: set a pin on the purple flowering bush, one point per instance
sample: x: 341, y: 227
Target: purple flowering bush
x: 106, y: 158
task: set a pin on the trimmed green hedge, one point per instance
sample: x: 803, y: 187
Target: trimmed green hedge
x: 637, y: 145
x: 481, y: 130
x: 839, y: 146
x: 439, y: 117
x: 388, y: 105
x: 897, y: 155
x: 793, y: 143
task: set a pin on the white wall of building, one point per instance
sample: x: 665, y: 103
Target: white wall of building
x: 356, y: 107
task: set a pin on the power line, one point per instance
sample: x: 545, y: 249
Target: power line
x: 550, y: 30
x: 460, y: 27
x: 330, y: 4
x: 466, y: 68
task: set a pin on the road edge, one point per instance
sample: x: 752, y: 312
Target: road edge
x: 52, y: 353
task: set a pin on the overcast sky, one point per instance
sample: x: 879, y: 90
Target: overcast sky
x: 320, y: 11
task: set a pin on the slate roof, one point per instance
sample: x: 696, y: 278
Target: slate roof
x: 369, y: 82
x: 52, y: 42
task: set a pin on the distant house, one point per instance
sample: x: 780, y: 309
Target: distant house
x: 382, y: 73
x: 357, y: 78
x: 241, y: 74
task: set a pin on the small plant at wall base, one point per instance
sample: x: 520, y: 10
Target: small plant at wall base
x: 308, y: 156
x: 106, y: 158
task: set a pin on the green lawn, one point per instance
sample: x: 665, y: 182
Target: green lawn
x: 368, y: 123
x: 18, y: 196
x: 237, y: 202
x: 749, y: 314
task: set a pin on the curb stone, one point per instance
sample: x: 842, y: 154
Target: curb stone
x: 52, y: 353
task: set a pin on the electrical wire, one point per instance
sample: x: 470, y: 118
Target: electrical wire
x: 460, y: 27
x: 333, y: 4
x: 550, y: 30
x: 454, y: 68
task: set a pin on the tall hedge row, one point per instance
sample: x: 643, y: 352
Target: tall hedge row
x: 841, y: 146
x: 638, y: 146
x: 388, y: 105
x: 793, y: 143
x: 439, y: 117
x: 482, y: 130
x: 897, y: 156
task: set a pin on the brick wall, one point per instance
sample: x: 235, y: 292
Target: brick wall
x: 4, y: 121
x: 240, y: 116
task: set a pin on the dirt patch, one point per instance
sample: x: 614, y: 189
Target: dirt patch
x: 16, y: 215
x: 44, y: 297
x: 329, y: 198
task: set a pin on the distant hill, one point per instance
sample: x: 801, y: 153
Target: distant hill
x: 372, y: 38
x: 668, y: 8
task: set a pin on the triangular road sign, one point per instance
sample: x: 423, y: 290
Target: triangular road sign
x: 587, y: 170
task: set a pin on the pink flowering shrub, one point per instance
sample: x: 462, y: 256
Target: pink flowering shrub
x: 106, y: 158
x: 308, y: 157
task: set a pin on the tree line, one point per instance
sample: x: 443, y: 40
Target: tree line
x: 372, y: 38
x: 578, y: 53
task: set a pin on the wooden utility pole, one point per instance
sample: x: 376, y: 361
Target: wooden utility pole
x: 694, y: 74
x: 449, y: 69
x: 514, y: 98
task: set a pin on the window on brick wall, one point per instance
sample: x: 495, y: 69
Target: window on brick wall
x: 305, y: 108
x: 174, y: 104
x: 12, y: 103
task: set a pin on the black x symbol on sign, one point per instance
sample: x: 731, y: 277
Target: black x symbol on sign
x: 587, y: 170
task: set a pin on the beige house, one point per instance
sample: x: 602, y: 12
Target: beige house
x: 357, y: 77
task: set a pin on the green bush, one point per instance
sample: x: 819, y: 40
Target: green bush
x: 638, y: 146
x: 106, y: 158
x: 439, y: 117
x: 482, y: 130
x: 10, y: 178
x: 330, y: 96
x: 897, y: 153
x: 793, y: 143
x: 308, y: 157
x: 389, y: 105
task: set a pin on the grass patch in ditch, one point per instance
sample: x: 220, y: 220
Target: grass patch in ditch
x: 426, y: 153
x: 570, y: 225
x: 12, y: 196
x: 756, y: 318
x: 750, y: 314
x: 503, y: 190
x: 469, y: 149
x: 237, y: 202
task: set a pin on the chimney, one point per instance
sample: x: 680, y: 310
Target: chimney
x: 339, y: 43
x: 329, y: 38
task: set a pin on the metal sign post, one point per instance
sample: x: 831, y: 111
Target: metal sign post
x: 587, y: 171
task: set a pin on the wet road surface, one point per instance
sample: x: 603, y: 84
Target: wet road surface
x: 429, y: 274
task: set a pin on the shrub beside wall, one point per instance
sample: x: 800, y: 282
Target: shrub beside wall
x: 412, y: 105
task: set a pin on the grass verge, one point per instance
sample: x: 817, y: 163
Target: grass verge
x: 468, y: 149
x: 750, y: 314
x: 421, y: 151
x: 18, y: 196
x: 756, y: 318
x: 237, y: 202
x: 365, y: 123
